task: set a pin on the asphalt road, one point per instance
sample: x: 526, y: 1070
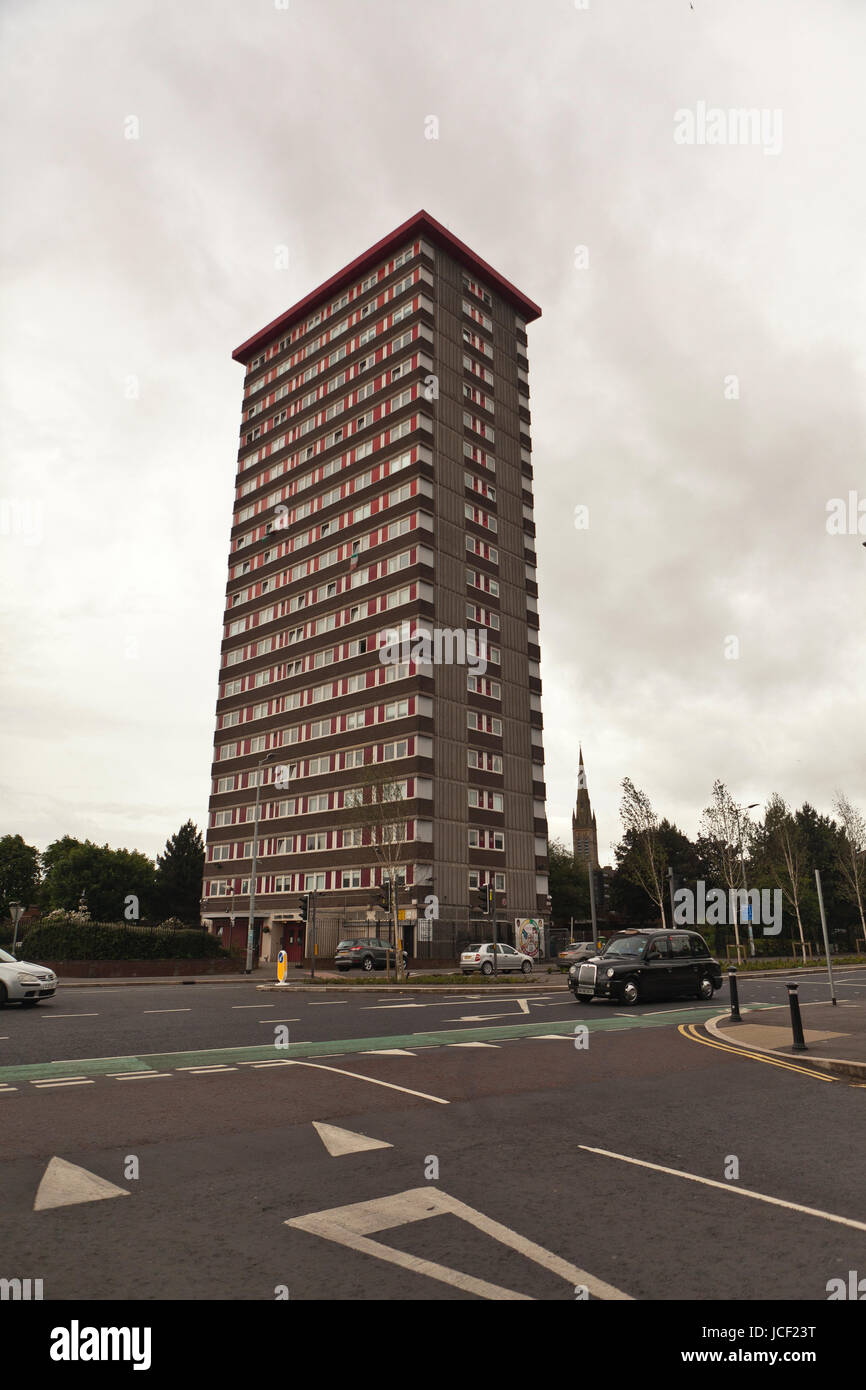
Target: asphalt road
x: 520, y: 1165
x: 128, y: 1020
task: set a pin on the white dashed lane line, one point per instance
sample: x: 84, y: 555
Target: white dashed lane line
x: 254, y: 1006
x: 167, y: 1011
x: 206, y: 1071
x: 46, y: 1085
x: 47, y: 1016
x: 135, y: 1075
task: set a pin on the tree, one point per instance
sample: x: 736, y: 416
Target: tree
x: 19, y: 872
x: 680, y: 855
x: 647, y: 861
x: 568, y: 884
x: 179, y: 874
x: 377, y: 808
x: 851, y: 853
x: 780, y: 850
x: 107, y: 878
x: 725, y: 831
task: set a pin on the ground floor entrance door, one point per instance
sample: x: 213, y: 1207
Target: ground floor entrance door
x: 293, y: 941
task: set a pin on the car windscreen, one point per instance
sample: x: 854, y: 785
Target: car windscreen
x: 7, y: 959
x: 626, y: 946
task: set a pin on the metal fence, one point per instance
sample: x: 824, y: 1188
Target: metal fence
x: 441, y: 939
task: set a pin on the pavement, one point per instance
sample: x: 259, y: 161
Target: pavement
x: 261, y: 975
x: 835, y: 1034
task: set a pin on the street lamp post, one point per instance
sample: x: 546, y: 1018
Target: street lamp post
x: 269, y: 757
x: 751, y: 806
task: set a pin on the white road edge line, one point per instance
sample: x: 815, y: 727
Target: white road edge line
x: 730, y: 1187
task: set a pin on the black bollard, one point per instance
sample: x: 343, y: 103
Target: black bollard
x: 796, y: 1020
x: 735, y: 997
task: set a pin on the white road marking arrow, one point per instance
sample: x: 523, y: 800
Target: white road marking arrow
x: 343, y: 1141
x: 65, y: 1184
x: 352, y: 1226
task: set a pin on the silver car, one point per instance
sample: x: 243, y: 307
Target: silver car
x: 21, y: 980
x: 480, y: 957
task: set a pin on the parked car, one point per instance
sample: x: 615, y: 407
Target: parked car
x: 21, y: 980
x: 366, y: 953
x: 576, y: 951
x: 480, y: 957
x: 639, y: 965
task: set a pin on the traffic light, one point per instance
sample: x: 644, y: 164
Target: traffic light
x: 385, y: 896
x: 599, y: 888
x: 485, y: 898
x: 305, y: 907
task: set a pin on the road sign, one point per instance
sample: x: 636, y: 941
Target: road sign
x: 282, y: 966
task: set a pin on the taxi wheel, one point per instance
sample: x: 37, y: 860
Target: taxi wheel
x: 705, y: 987
x: 630, y: 992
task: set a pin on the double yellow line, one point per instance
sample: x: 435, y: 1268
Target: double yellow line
x: 689, y: 1030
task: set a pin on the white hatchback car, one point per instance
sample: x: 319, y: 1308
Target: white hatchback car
x: 480, y: 958
x: 23, y: 981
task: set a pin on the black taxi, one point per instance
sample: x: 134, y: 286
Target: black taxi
x: 651, y: 964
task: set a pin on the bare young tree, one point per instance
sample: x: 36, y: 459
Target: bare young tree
x: 648, y: 861
x: 377, y: 807
x: 783, y: 852
x: 851, y: 852
x: 727, y: 829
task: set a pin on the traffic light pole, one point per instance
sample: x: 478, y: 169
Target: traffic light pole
x: 313, y: 942
x: 251, y: 918
x: 395, y: 923
x: 491, y: 908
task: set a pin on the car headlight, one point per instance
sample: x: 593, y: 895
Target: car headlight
x: 29, y: 980
x: 610, y: 973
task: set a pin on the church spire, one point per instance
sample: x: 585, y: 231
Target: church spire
x: 583, y: 826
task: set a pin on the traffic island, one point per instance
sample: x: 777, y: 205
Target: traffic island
x: 835, y: 1035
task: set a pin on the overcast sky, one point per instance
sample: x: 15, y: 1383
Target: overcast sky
x: 697, y: 376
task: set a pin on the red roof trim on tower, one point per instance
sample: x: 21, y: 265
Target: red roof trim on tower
x: 422, y: 224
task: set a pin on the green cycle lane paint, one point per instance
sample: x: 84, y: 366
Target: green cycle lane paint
x: 332, y: 1047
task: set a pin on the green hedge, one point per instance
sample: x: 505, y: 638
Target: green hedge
x: 58, y: 941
